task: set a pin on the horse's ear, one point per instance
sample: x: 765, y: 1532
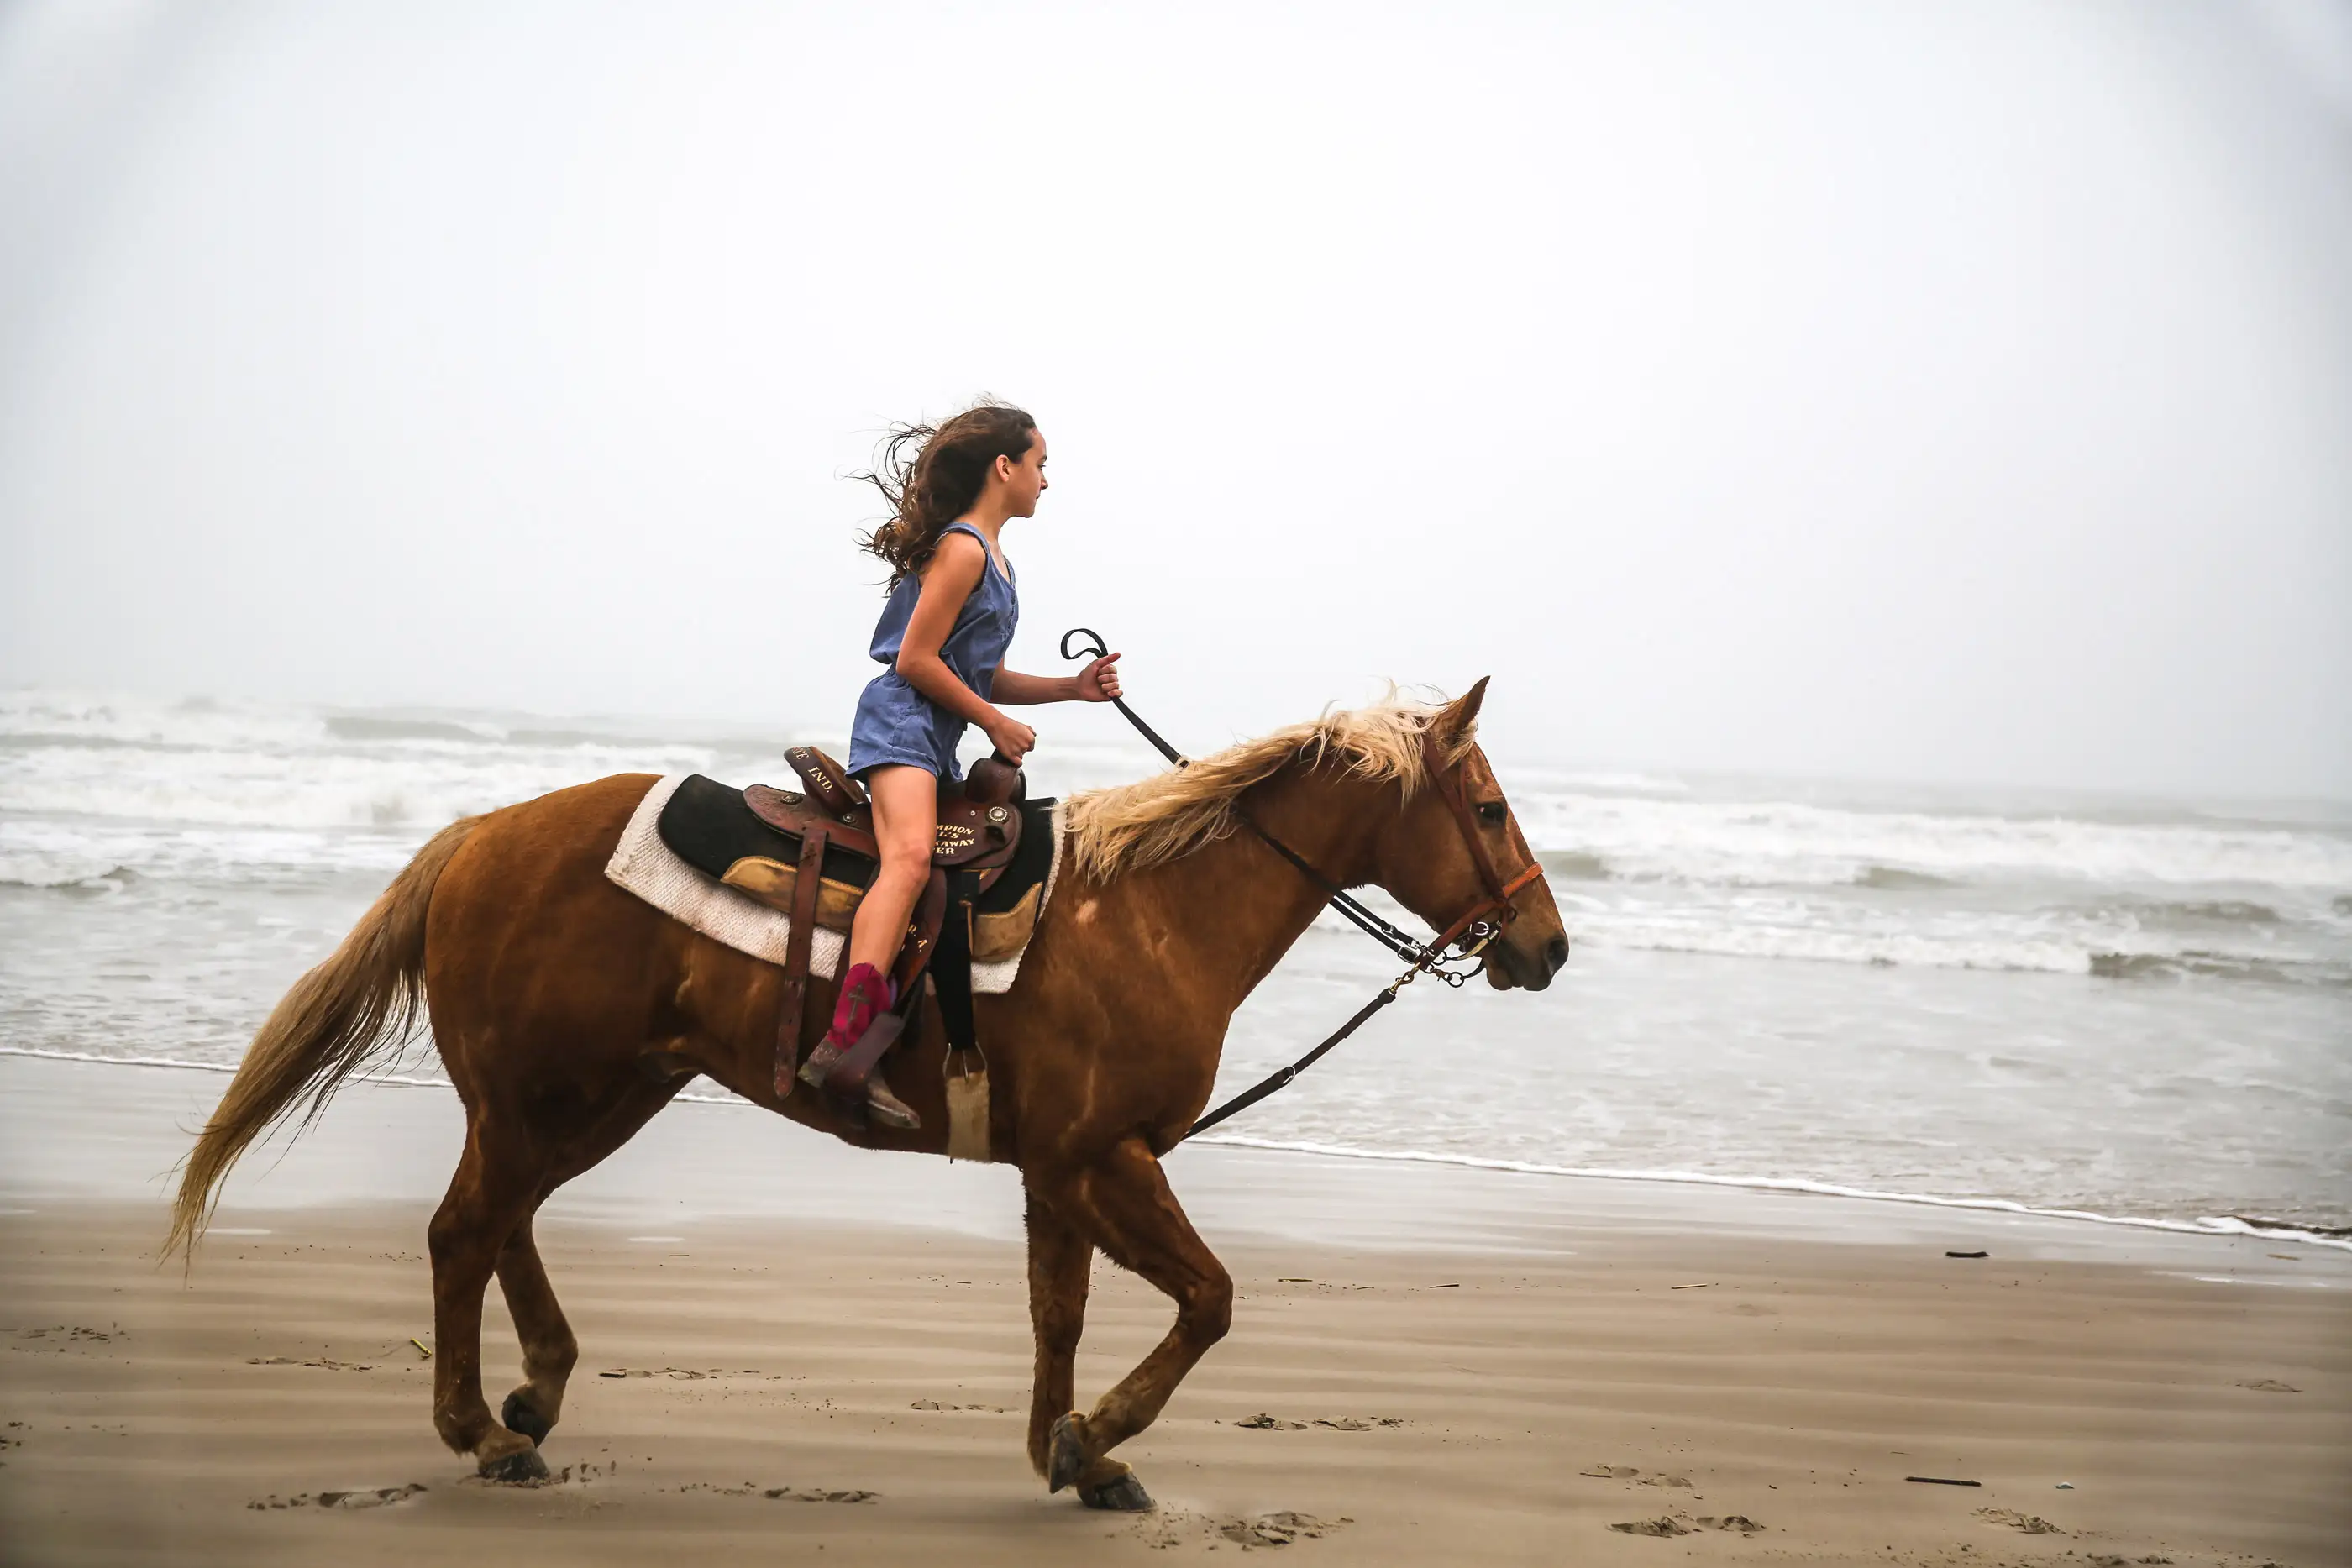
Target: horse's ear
x: 1455, y: 721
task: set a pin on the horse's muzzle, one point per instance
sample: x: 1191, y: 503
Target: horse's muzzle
x: 1510, y: 966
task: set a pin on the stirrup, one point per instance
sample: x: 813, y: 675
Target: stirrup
x: 886, y: 1107
x: 820, y: 1062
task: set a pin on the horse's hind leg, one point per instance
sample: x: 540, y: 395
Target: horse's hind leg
x: 549, y: 1350
x: 1123, y: 1205
x: 494, y: 1191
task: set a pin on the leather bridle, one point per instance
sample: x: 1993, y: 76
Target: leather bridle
x: 1463, y: 938
x: 1474, y: 928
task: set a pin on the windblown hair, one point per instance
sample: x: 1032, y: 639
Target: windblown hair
x: 1130, y: 826
x: 931, y: 474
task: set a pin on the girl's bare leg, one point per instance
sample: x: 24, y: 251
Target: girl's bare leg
x: 906, y: 808
x: 906, y: 821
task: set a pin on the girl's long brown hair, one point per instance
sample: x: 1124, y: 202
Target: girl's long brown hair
x: 940, y: 480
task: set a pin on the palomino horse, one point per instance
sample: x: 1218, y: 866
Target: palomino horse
x: 568, y: 1013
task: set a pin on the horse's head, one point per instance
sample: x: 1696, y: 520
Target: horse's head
x: 1428, y: 857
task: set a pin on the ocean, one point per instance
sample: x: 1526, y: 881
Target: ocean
x: 2132, y: 1010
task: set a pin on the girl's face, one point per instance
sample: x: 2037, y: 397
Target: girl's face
x: 1023, y: 481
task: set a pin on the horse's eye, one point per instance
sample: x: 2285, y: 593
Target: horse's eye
x: 1493, y: 811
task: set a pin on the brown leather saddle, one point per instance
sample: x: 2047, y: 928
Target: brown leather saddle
x: 979, y: 835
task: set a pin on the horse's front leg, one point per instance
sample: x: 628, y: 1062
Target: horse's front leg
x: 1060, y: 1260
x: 1123, y: 1206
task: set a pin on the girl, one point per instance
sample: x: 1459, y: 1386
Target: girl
x: 942, y: 637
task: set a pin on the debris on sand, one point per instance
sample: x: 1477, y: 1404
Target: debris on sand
x: 816, y: 1494
x: 2026, y: 1523
x: 1967, y: 1254
x: 2271, y: 1386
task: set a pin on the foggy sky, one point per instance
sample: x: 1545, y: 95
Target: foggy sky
x: 1913, y: 392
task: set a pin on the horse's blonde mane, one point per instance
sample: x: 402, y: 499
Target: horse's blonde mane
x: 1130, y: 826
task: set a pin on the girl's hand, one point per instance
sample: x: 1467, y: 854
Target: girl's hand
x: 1098, y: 682
x: 1013, y: 739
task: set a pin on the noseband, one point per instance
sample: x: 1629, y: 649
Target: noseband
x: 1463, y: 938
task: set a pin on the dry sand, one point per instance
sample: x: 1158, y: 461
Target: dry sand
x: 1470, y: 1367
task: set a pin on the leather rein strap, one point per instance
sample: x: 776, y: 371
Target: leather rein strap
x: 1473, y: 930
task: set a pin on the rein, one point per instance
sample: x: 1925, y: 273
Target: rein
x: 1468, y: 934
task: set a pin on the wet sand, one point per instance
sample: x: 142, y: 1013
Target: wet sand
x: 1458, y: 1365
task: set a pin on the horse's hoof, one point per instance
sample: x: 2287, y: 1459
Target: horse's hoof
x: 522, y: 1464
x: 1066, y: 1456
x: 1125, y: 1495
x: 518, y: 1415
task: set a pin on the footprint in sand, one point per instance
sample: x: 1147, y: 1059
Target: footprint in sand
x: 1683, y: 1524
x: 2028, y: 1523
x: 1176, y: 1527
x: 935, y: 1404
x: 380, y: 1497
x: 1628, y: 1473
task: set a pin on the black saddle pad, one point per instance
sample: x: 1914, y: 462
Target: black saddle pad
x: 708, y: 825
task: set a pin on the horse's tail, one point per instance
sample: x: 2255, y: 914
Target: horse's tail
x: 362, y: 1002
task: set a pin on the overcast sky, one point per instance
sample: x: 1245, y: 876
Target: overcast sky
x: 1916, y: 391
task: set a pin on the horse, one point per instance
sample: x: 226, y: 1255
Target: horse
x: 568, y: 1013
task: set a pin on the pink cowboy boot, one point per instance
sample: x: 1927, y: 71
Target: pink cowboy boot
x: 865, y: 995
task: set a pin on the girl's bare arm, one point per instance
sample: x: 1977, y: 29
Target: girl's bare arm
x: 953, y: 572
x: 1098, y: 682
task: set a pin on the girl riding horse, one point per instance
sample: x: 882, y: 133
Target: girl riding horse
x: 941, y: 641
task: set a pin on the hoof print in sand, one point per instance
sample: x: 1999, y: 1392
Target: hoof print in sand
x: 1628, y: 1473
x: 520, y: 1479
x: 1285, y: 1528
x: 2028, y: 1524
x: 815, y: 1494
x: 1683, y: 1524
x: 936, y: 1404
x: 1276, y: 1529
x: 378, y: 1497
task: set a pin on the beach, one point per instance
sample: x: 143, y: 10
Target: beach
x: 788, y: 1346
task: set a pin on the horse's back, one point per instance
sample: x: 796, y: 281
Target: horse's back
x: 525, y: 925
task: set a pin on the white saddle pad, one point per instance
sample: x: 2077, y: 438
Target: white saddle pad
x: 649, y: 868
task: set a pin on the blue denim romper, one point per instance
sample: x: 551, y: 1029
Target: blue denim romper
x: 897, y: 724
